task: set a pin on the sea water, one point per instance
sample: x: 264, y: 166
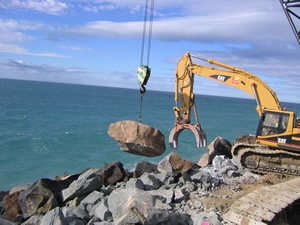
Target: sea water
x: 52, y: 129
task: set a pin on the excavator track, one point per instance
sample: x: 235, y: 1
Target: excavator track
x: 261, y: 159
x: 261, y: 206
x: 270, y: 161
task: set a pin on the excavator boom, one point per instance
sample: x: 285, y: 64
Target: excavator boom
x: 265, y: 97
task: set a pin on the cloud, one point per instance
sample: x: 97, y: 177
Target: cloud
x: 12, y: 35
x: 16, y: 49
x: 13, y: 30
x: 234, y: 28
x: 97, y: 8
x: 52, y: 7
x: 19, y: 69
x: 75, y: 48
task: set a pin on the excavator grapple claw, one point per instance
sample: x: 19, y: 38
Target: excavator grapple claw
x: 195, y: 128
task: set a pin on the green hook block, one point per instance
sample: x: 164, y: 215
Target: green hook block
x: 143, y: 74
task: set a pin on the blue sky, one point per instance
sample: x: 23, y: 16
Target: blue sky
x: 98, y: 42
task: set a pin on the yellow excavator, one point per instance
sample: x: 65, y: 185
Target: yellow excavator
x: 277, y: 145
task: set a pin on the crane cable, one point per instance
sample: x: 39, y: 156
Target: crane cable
x: 149, y: 32
x: 143, y: 72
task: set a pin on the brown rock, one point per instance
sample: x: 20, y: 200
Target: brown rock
x: 247, y: 139
x: 11, y: 205
x: 144, y: 167
x: 204, y: 161
x: 173, y: 163
x: 220, y: 146
x: 137, y: 138
x: 112, y: 173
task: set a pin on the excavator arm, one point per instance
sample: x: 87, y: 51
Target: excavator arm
x: 265, y: 97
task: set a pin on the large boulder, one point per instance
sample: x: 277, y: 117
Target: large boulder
x: 36, y: 196
x: 174, y: 163
x: 138, y: 138
x: 85, y: 184
x: 135, y: 206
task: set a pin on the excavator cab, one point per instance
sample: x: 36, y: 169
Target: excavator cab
x: 273, y: 123
x: 279, y: 129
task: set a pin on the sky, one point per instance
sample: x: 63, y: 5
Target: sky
x: 99, y: 42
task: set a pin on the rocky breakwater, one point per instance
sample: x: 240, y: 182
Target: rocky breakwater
x: 175, y: 191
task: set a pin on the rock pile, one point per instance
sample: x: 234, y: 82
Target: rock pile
x: 171, y: 192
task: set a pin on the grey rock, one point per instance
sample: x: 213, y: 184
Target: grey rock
x: 165, y: 196
x: 93, y: 221
x: 103, y: 223
x: 102, y: 211
x: 135, y: 183
x: 188, y: 187
x: 90, y: 200
x: 36, y: 196
x: 157, y: 216
x: 201, y: 176
x: 36, y: 219
x: 150, y: 181
x: 218, y: 161
x: 232, y: 173
x: 138, y: 138
x: 164, y: 178
x: 226, y: 169
x: 6, y: 222
x: 179, y: 219
x: 86, y: 183
x: 93, y: 198
x: 54, y: 217
x: 178, y: 196
x: 130, y: 205
x: 75, y: 215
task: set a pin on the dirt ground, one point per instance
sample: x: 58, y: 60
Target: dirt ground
x: 221, y: 199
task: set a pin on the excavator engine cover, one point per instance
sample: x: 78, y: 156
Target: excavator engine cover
x: 195, y: 128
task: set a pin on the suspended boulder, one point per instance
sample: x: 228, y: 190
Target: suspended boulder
x: 137, y: 138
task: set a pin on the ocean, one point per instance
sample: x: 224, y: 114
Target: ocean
x: 52, y: 129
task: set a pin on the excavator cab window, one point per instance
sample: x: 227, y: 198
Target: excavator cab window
x: 273, y: 123
x: 297, y: 122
